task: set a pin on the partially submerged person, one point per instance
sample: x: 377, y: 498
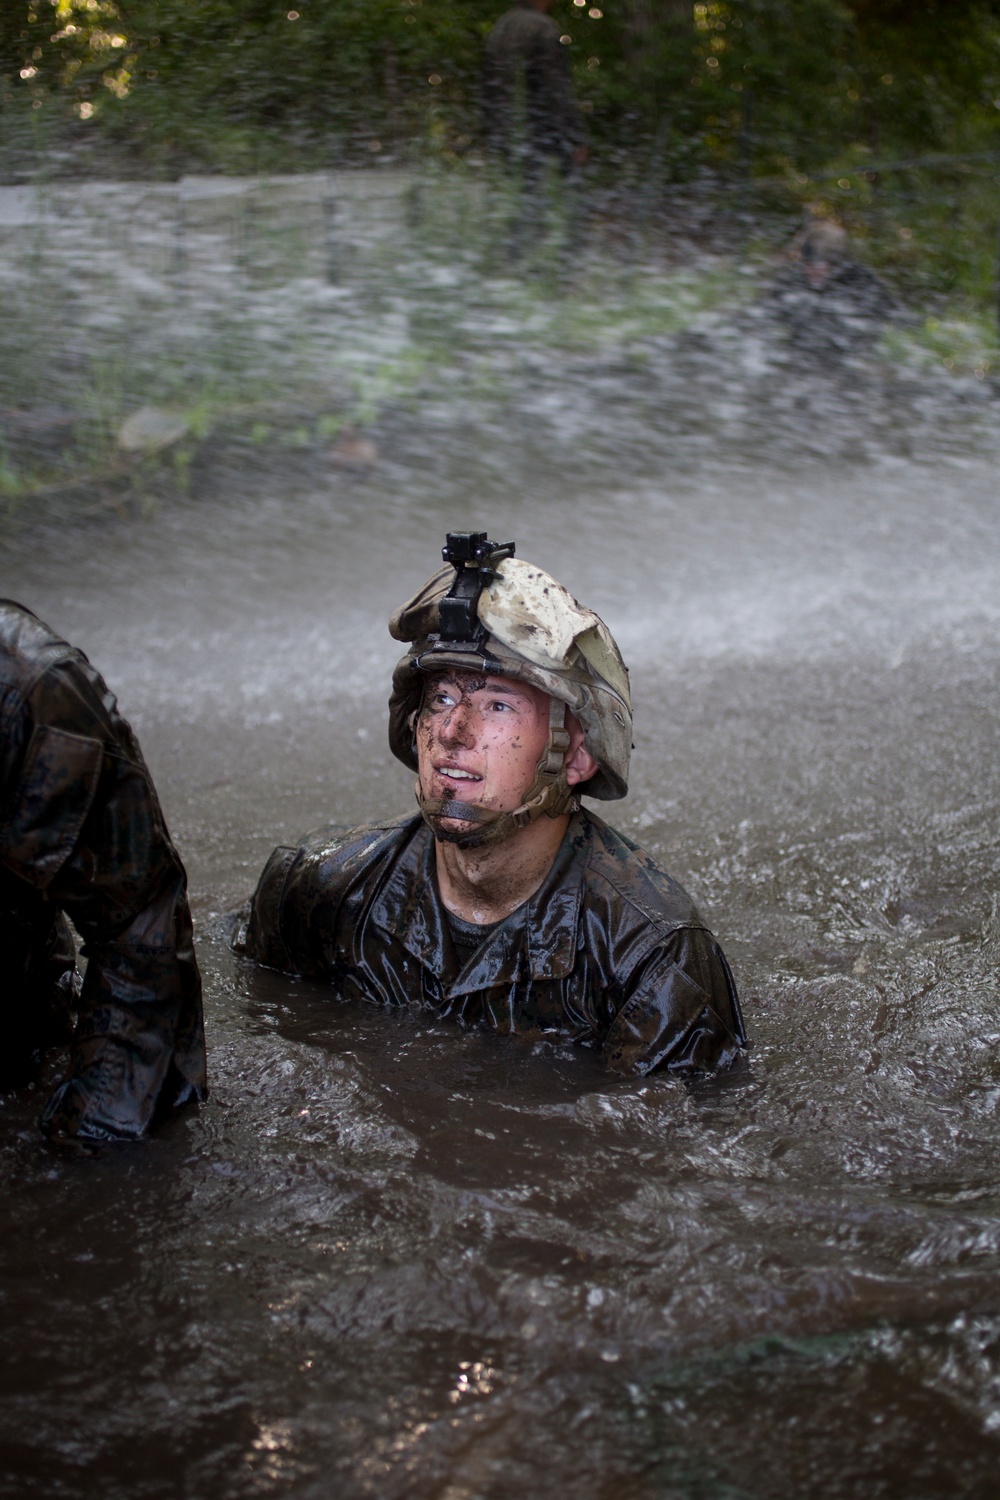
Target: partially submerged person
x: 830, y: 304
x: 82, y: 837
x: 502, y: 902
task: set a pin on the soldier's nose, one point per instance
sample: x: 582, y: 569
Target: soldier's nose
x: 459, y: 727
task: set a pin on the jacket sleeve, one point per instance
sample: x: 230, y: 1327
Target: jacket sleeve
x: 682, y: 1012
x: 82, y: 827
x: 294, y: 918
x: 259, y: 936
x: 140, y: 1038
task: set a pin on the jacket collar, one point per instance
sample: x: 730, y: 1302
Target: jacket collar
x: 540, y: 934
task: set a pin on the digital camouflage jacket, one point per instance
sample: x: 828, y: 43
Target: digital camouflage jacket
x: 82, y: 834
x: 609, y: 952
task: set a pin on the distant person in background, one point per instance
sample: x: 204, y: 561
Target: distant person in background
x: 830, y: 303
x: 531, y: 110
x: 531, y: 115
x: 82, y: 836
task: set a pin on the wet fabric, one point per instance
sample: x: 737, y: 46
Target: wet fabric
x: 82, y: 836
x: 529, y: 104
x: 467, y: 937
x: 609, y: 952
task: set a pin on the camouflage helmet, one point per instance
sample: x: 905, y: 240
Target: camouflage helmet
x: 490, y: 612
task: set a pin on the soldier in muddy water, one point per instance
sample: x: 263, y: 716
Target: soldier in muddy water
x: 830, y: 305
x: 82, y: 837
x: 502, y: 902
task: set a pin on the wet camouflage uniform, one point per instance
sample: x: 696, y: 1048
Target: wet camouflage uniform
x: 609, y: 952
x: 82, y: 835
x: 528, y: 95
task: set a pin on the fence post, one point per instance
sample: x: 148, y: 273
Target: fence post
x: 746, y: 160
x: 997, y: 180
x: 329, y: 210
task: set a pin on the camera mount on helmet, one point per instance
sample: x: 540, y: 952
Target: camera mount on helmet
x: 475, y: 560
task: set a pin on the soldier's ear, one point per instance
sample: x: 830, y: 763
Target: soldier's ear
x: 579, y: 764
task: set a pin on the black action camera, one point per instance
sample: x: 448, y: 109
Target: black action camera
x: 475, y: 560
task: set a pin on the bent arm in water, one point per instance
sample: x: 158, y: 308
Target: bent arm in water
x: 81, y: 831
x: 682, y: 1013
x: 293, y: 918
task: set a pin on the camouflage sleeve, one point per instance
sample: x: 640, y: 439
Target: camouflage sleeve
x: 682, y: 1013
x: 295, y: 915
x: 83, y: 827
x: 48, y: 802
x: 14, y: 731
x: 259, y: 934
x: 140, y: 1032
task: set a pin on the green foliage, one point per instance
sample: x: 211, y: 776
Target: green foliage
x: 781, y: 81
x: 961, y: 345
x: 810, y: 103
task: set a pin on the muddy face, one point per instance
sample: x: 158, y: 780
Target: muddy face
x: 479, y: 739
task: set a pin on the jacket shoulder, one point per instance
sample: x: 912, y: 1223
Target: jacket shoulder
x: 342, y: 852
x: 307, y: 883
x: 28, y: 648
x: 638, y: 880
x: 522, y: 28
x: 326, y: 863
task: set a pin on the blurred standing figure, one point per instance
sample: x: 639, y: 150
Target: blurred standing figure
x: 531, y: 110
x: 532, y: 118
x: 82, y: 836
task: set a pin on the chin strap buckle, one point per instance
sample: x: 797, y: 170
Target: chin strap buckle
x: 553, y: 763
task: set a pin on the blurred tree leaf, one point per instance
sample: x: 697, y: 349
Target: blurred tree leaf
x: 776, y: 84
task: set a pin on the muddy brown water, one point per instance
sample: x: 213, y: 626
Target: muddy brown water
x: 393, y: 1259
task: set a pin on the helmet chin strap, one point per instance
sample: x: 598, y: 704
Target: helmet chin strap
x: 549, y: 793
